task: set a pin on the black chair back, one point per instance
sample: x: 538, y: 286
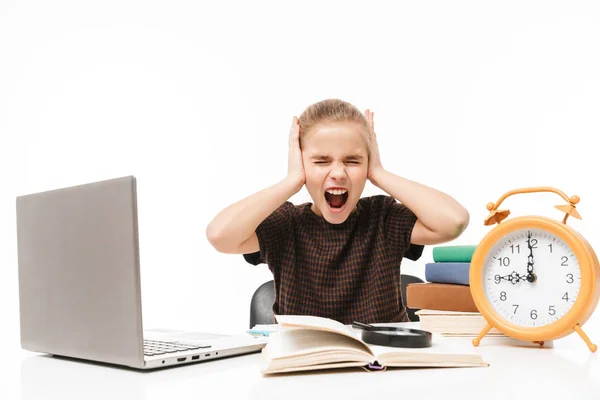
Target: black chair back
x: 261, y: 305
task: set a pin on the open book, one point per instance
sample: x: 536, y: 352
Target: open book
x: 310, y: 343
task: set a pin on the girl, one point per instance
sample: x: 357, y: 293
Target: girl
x: 338, y: 257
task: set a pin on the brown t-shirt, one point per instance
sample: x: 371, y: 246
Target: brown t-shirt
x: 347, y: 272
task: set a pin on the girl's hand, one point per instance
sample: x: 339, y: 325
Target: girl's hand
x: 295, y: 164
x: 374, y: 159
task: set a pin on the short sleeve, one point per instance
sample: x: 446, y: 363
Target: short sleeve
x: 273, y: 234
x: 399, y: 224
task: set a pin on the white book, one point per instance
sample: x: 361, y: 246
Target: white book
x: 464, y: 324
x: 453, y: 322
x: 310, y: 343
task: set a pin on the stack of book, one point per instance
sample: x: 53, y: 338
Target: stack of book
x: 445, y: 302
x: 447, y: 281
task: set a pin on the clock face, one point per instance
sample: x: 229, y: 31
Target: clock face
x: 531, y: 277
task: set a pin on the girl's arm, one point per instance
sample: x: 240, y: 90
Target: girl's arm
x: 440, y: 218
x: 233, y: 230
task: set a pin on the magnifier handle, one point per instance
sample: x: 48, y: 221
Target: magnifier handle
x: 360, y: 325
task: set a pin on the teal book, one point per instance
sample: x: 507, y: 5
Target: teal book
x: 458, y: 253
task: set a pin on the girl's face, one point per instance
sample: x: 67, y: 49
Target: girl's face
x: 335, y: 158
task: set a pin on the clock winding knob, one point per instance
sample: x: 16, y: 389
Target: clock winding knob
x: 574, y: 199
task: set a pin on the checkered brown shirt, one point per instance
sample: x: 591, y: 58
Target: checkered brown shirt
x: 347, y: 272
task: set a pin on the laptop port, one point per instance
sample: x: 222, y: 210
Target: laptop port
x: 207, y: 354
x: 195, y: 357
x: 181, y: 359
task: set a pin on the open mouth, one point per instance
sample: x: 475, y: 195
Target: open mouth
x: 336, y: 198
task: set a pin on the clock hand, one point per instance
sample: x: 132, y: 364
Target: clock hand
x: 530, y: 277
x: 513, y: 277
x: 530, y: 256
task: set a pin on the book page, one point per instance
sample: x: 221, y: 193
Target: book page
x: 315, y: 367
x: 316, y: 323
x: 443, y: 312
x: 444, y: 352
x: 292, y: 342
x: 302, y: 348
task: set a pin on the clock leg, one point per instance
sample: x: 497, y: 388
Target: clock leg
x: 587, y: 340
x: 481, y: 335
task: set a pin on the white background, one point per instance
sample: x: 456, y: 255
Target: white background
x: 195, y: 99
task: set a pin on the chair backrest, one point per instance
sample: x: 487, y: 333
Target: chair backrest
x: 406, y: 280
x: 261, y: 305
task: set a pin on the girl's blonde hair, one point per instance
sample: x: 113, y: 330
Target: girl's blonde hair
x: 331, y: 111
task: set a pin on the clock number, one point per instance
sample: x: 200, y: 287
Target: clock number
x: 564, y: 260
x: 551, y: 310
x: 516, y: 306
x: 518, y: 247
x: 504, y: 261
x: 566, y: 296
x: 533, y: 314
x: 533, y: 243
x: 550, y: 245
x: 497, y: 278
x: 503, y: 296
x: 569, y: 278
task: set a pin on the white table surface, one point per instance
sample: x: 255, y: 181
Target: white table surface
x: 566, y: 371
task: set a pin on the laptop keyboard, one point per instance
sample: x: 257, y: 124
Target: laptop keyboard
x: 158, y: 347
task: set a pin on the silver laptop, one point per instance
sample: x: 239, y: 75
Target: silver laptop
x: 79, y: 282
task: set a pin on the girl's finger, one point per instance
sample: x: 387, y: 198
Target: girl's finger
x: 368, y: 117
x: 295, y: 127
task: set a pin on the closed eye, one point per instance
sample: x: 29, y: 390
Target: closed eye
x: 347, y: 162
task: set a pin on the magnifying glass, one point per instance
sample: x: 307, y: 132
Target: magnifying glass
x: 394, y: 336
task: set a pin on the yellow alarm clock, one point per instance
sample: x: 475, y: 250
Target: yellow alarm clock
x: 534, y: 278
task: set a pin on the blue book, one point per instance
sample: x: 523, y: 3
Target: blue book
x: 448, y: 272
